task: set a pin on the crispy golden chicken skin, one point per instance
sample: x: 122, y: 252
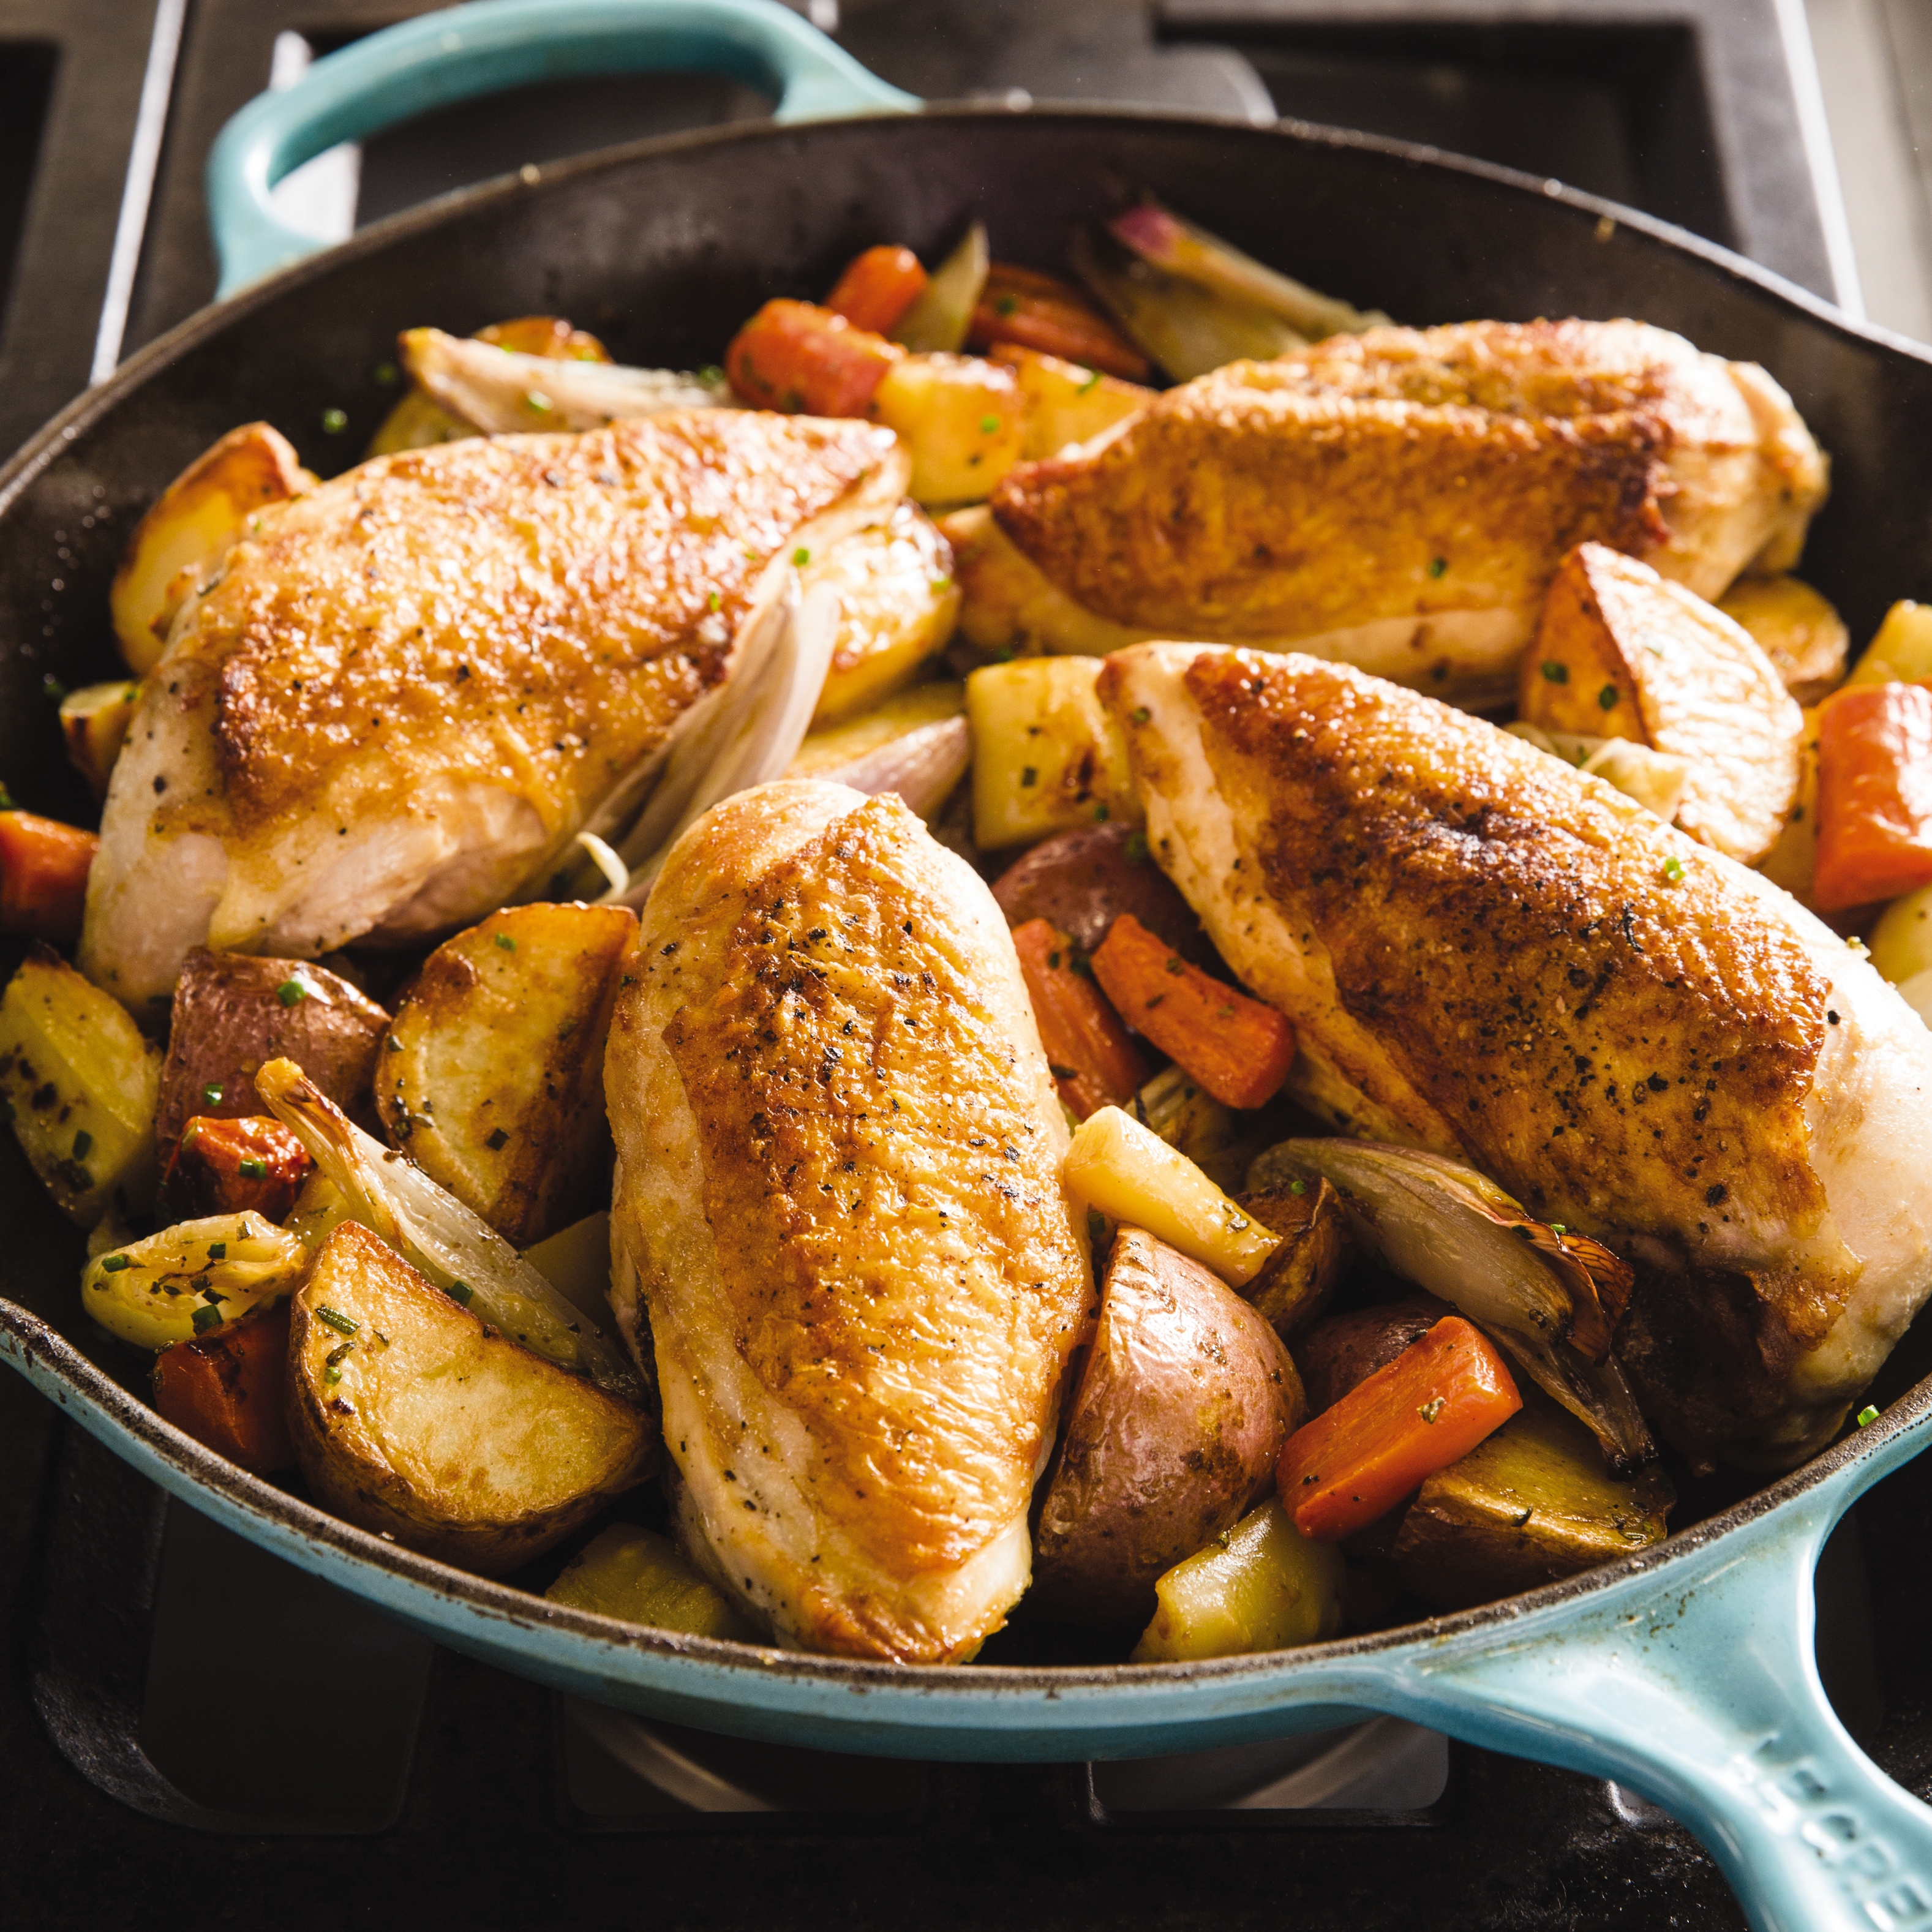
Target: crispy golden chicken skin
x: 1487, y: 953
x: 405, y: 695
x: 839, y: 1235
x: 1400, y: 499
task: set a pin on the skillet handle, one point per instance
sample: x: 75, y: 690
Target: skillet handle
x: 439, y: 57
x: 1698, y: 1687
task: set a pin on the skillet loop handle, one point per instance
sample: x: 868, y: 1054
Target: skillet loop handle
x: 440, y: 57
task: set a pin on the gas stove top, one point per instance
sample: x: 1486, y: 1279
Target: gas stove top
x: 187, y: 1724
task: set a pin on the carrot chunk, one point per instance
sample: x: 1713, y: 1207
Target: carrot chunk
x: 1239, y: 1049
x: 251, y: 1164
x: 43, y: 867
x: 226, y: 1390
x: 877, y: 288
x: 1874, y: 795
x: 1037, y: 311
x: 796, y: 357
x: 1440, y: 1397
x: 1095, y: 1063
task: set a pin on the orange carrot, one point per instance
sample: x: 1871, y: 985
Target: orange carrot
x: 225, y: 1389
x: 1094, y: 1064
x: 1037, y: 311
x: 1440, y: 1397
x: 1239, y: 1049
x: 224, y: 1166
x: 795, y: 356
x: 877, y: 288
x: 43, y: 867
x: 1874, y: 795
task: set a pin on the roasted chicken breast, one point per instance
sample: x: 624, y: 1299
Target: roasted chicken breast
x: 839, y: 1238
x: 402, y: 698
x: 1398, y: 500
x: 1488, y: 954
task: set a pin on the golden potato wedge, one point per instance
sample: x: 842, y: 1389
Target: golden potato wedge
x: 962, y: 420
x: 1900, y: 651
x: 1298, y: 1279
x: 898, y: 603
x: 411, y: 1418
x: 1803, y: 636
x: 1531, y: 1504
x: 1066, y: 402
x: 638, y: 1576
x: 493, y: 1078
x: 1901, y: 941
x: 1622, y: 653
x: 1009, y: 606
x: 1181, y: 1411
x: 1792, y: 861
x: 1047, y: 755
x: 93, y: 722
x: 80, y: 1085
x: 193, y: 523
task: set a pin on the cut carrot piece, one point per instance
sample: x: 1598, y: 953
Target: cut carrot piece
x: 877, y: 288
x: 1042, y: 312
x: 1238, y: 1048
x: 796, y: 357
x: 1874, y: 795
x: 43, y: 868
x: 226, y: 1390
x: 1095, y: 1063
x: 1440, y: 1397
x: 250, y: 1165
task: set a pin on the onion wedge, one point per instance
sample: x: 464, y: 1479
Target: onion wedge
x: 938, y: 321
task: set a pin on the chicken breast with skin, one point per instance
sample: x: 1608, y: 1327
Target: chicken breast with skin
x: 402, y: 699
x: 1398, y: 500
x: 1487, y: 954
x: 839, y: 1236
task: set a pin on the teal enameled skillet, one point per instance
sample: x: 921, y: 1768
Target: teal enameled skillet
x: 1686, y: 1673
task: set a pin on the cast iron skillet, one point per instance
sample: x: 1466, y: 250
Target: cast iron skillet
x: 1686, y: 1673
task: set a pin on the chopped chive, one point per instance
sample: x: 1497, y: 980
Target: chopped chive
x: 334, y: 421
x: 1554, y: 672
x: 1029, y: 775
x: 801, y: 556
x: 1867, y: 1416
x: 343, y: 1324
x: 1092, y: 383
x: 1673, y: 869
x: 504, y: 939
x: 989, y: 425
x: 1141, y: 714
x: 206, y: 1317
x: 211, y: 1094
x: 712, y: 374
x: 1101, y: 814
x: 114, y: 1264
x: 291, y: 992
x: 1298, y: 1187
x: 1007, y: 305
x: 331, y: 1363
x: 83, y: 1145
x: 460, y: 1291
x: 1606, y: 698
x: 1559, y: 1227
x: 941, y: 585
x: 1431, y: 1409
x: 252, y: 1167
x: 1136, y: 847
x: 712, y: 602
x: 218, y: 1251
x: 1437, y: 565
x: 7, y: 800
x: 536, y: 399
x: 384, y: 374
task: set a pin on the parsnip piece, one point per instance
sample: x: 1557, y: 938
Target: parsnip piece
x: 1622, y: 653
x: 95, y: 721
x: 1126, y: 1171
x: 1187, y: 1116
x: 639, y: 1576
x: 1900, y: 651
x: 1901, y: 941
x: 191, y: 1278
x: 897, y: 606
x: 191, y: 526
x: 961, y: 418
x: 1066, y: 402
x: 1801, y: 633
x: 1047, y: 756
x: 1010, y: 606
x: 80, y: 1085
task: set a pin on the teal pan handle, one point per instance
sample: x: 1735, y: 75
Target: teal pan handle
x: 455, y: 55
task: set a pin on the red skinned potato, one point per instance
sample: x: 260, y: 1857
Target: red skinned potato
x: 1344, y: 1350
x: 1082, y: 881
x: 1182, y: 1410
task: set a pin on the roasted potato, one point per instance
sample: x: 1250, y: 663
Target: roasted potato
x: 411, y: 1418
x: 1529, y: 1504
x: 1066, y: 402
x: 1263, y: 1585
x: 234, y: 1013
x: 1179, y: 1419
x: 493, y: 1080
x: 1803, y: 636
x: 1792, y: 862
x: 230, y: 1167
x: 897, y: 603
x: 95, y: 721
x: 1047, y: 756
x: 1008, y: 607
x: 191, y: 526
x: 1900, y: 651
x: 1081, y: 881
x: 576, y: 1261
x: 79, y: 1084
x: 1298, y: 1278
x: 1901, y: 941
x: 962, y: 420
x: 638, y: 1576
x: 1621, y: 652
x: 1335, y: 1354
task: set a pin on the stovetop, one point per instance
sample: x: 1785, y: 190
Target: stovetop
x: 188, y: 1725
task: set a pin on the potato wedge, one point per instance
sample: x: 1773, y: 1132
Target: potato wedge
x: 639, y: 1576
x: 1297, y: 1280
x: 1529, y: 1504
x: 1622, y: 653
x: 898, y: 603
x: 1803, y: 636
x: 193, y: 523
x: 412, y: 1418
x: 962, y: 419
x: 95, y: 721
x: 1066, y: 402
x: 1182, y: 1408
x: 233, y: 1013
x: 1047, y: 756
x: 1900, y: 651
x: 79, y: 1084
x: 1901, y: 942
x: 1008, y: 607
x: 493, y: 1080
x: 1081, y: 881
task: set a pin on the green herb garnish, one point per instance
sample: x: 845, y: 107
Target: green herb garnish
x: 211, y: 1094
x: 1437, y: 565
x: 334, y: 421
x: 114, y: 1264
x: 206, y: 1317
x: 252, y: 1167
x: 989, y: 425
x: 291, y: 992
x: 460, y: 1291
x: 1431, y: 1409
x: 504, y: 939
x: 331, y: 1363
x: 343, y: 1324
x: 801, y: 556
x: 83, y: 1145
x: 1867, y: 1416
x: 1554, y: 672
x: 1606, y: 698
